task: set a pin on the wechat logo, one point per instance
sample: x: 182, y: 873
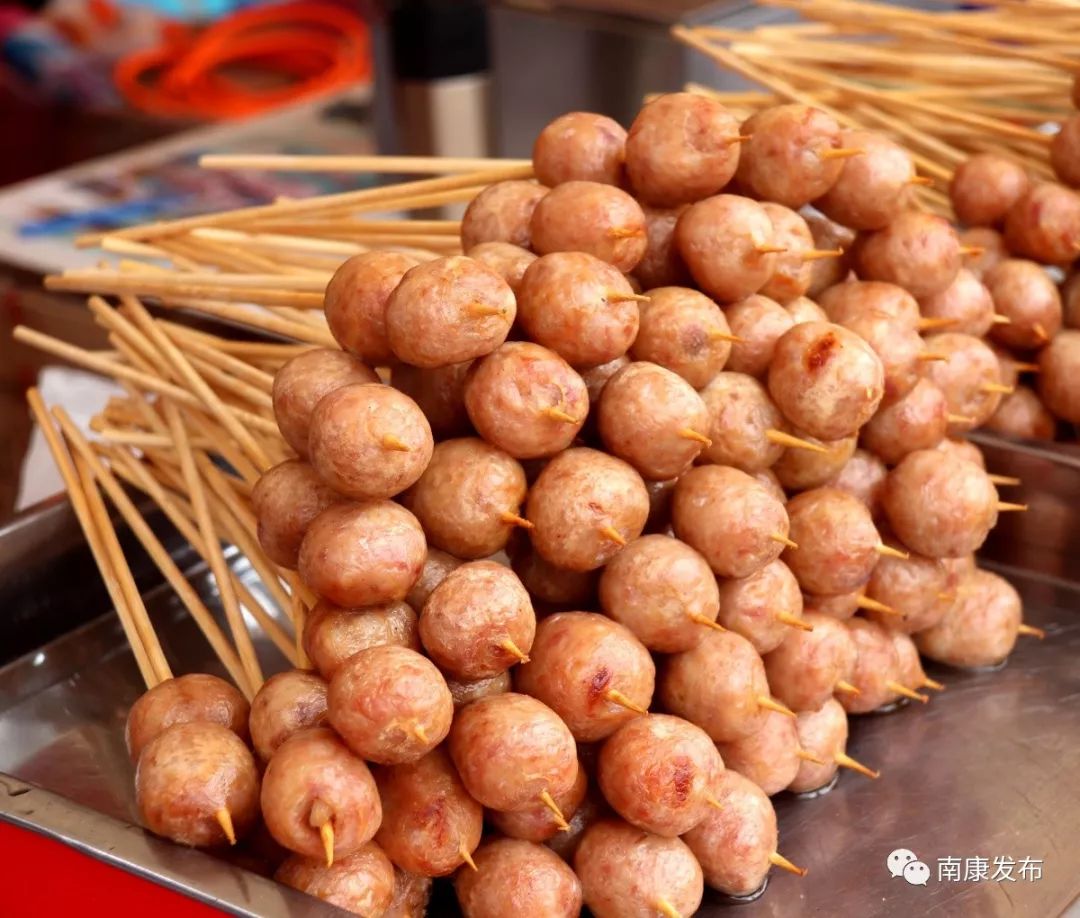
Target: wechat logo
x: 907, y: 866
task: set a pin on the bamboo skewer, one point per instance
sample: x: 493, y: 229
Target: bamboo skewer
x: 439, y: 165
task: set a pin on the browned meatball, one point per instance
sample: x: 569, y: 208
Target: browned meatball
x: 837, y: 541
x: 1070, y: 300
x: 657, y: 773
x: 963, y: 449
x: 685, y: 332
x: 682, y: 147
x: 728, y: 243
x: 318, y: 799
x: 333, y: 634
x: 626, y: 872
x: 758, y: 322
x: 286, y: 703
x: 580, y: 147
x: 301, y: 384
x: 767, y: 478
x: 663, y: 591
x: 863, y: 476
x: 467, y: 692
x: 436, y: 566
x: 600, y: 220
x: 193, y: 698
x: 828, y: 236
x: 898, y: 347
x: 390, y: 704
x: 808, y: 666
x: 826, y: 380
x: 506, y: 260
x: 513, y: 751
x: 1065, y: 151
x: 912, y: 587
x: 1044, y: 224
x: 355, y: 303
x: 579, y: 307
x: 590, y: 670
x: 1023, y: 292
x: 769, y: 757
x: 743, y: 423
x: 362, y: 883
x: 736, y: 524
x: 852, y: 298
x: 548, y: 583
x: 917, y: 251
x: 440, y: 394
x: 986, y: 247
x: 369, y: 441
x: 762, y: 607
x: 969, y: 377
x: 538, y: 823
x: 735, y: 843
x: 919, y: 420
x: 411, y: 895
x: 793, y: 155
x: 873, y: 188
x: 478, y: 622
x: 1022, y: 414
x: 515, y: 877
x: 501, y: 213
x: 584, y: 507
x: 938, y: 505
x: 794, y: 266
x: 876, y: 667
x: 719, y: 685
x: 362, y: 554
x: 911, y: 673
x: 430, y: 823
x: 985, y: 187
x: 799, y: 469
x: 803, y: 309
x: 285, y: 500
x: 839, y: 607
x: 823, y: 734
x: 1059, y: 368
x: 661, y: 265
x: 448, y: 310
x: 981, y: 627
x: 966, y: 302
x: 653, y: 419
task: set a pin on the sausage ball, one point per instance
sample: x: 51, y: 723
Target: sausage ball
x: 465, y: 692
x: 837, y: 541
x: 912, y: 587
x: 1065, y: 151
x: 981, y: 627
x: 823, y: 734
x: 411, y: 896
x: 969, y: 377
x: 369, y: 441
x: 538, y: 823
x: 966, y: 303
x: 1022, y: 414
x: 440, y: 394
x: 589, y: 670
x: 1070, y: 300
x: 312, y: 782
x: 286, y: 703
x: 501, y: 213
x: 1059, y: 368
x: 806, y: 667
x: 390, y: 704
x: 301, y: 384
x: 853, y: 298
x: 735, y: 842
x: 682, y: 147
x: 800, y: 469
x: 872, y: 189
x: 876, y: 667
x: 736, y: 524
x: 918, y: 420
x: 985, y: 187
x: 840, y: 606
x: 685, y: 332
x: 758, y: 322
x: 362, y: 883
x: 626, y: 872
x: 579, y: 307
x: 362, y: 554
x: 512, y: 750
x: 550, y: 584
x: 728, y: 243
x: 653, y: 419
x: 286, y: 498
x: 911, y: 673
x: 898, y: 347
x: 769, y: 757
x: 448, y: 310
x: 436, y: 567
x: 469, y: 498
x: 478, y: 622
x: 355, y: 303
x: 600, y: 220
x: 193, y: 698
x: 332, y: 634
x: 506, y: 260
x: 938, y: 505
x: 986, y: 247
x: 793, y: 155
x: 863, y: 476
x: 663, y: 591
x: 794, y: 267
x: 515, y: 877
x: 917, y: 251
x: 802, y: 309
x: 963, y: 449
x: 719, y: 685
x: 1044, y: 224
x: 657, y: 773
x: 584, y: 507
x: 1023, y: 292
x: 762, y: 607
x: 661, y: 265
x: 828, y: 236
x: 580, y: 147
x: 430, y: 823
x: 743, y: 423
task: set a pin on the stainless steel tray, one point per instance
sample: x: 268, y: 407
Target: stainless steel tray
x: 989, y: 769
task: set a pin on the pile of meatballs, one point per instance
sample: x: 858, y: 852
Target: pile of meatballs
x: 615, y: 519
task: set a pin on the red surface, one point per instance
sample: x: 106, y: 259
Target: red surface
x: 50, y: 879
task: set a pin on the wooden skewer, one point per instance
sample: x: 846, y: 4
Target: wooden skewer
x: 841, y: 153
x: 866, y: 602
x: 928, y: 356
x: 846, y: 761
x: 616, y: 296
x: 783, y: 540
x: 549, y: 802
x: 1022, y: 367
x: 557, y: 414
x: 778, y: 860
x: 818, y: 254
x: 612, y: 534
x: 706, y: 621
x: 1031, y: 631
x: 467, y: 857
x: 893, y: 686
x: 794, y: 621
x: 1005, y: 507
x: 688, y: 433
x: 887, y: 551
x: 785, y: 439
x: 665, y: 908
x: 771, y: 704
x: 399, y: 165
x: 617, y: 697
x: 763, y: 249
x: 846, y: 688
x: 933, y: 684
x: 959, y: 419
x: 809, y: 757
x: 156, y: 286
x: 516, y: 652
x: 929, y: 323
x: 1003, y: 480
x: 224, y: 819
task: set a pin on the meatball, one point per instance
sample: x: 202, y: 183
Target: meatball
x: 799, y: 469
x: 332, y: 634
x: 506, y: 260
x: 1044, y: 224
x: 501, y: 213
x: 580, y: 147
x: 286, y: 703
x: 917, y: 421
x: 661, y: 265
x: 1024, y: 294
x: 769, y: 757
x: 286, y: 499
x: 758, y: 322
x: 872, y: 189
x: 917, y: 251
x: 826, y: 272
x: 598, y: 219
x: 538, y: 823
x: 1022, y: 414
x: 440, y: 393
x: 969, y: 377
x: 362, y: 883
x: 515, y: 877
x: 981, y: 627
x: 985, y: 187
x: 763, y: 606
x: 912, y: 588
x: 863, y: 476
x: 685, y: 332
x: 466, y: 692
x: 837, y: 541
x: 1059, y: 368
x: 548, y: 583
x: 876, y: 668
x: 809, y: 666
x: 853, y: 298
x: 745, y: 426
x: 966, y: 303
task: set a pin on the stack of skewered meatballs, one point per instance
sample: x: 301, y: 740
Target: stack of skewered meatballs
x: 711, y: 428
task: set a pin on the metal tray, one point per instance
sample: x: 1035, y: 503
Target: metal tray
x: 989, y: 769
